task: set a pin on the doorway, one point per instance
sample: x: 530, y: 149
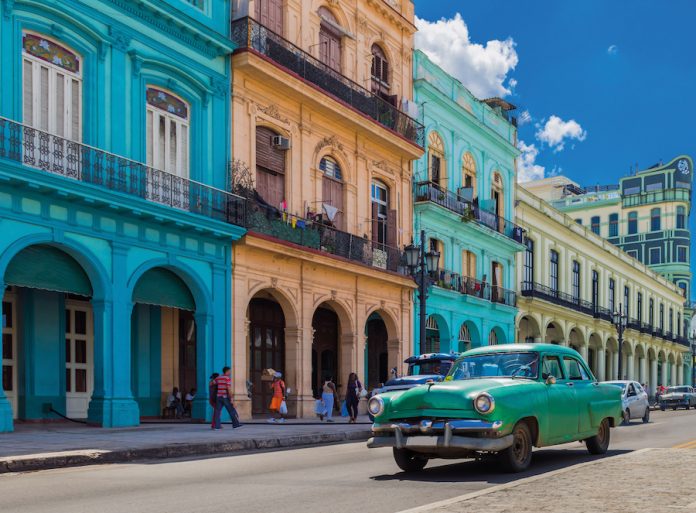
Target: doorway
x: 267, y: 349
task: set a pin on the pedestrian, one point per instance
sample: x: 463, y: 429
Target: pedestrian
x: 353, y: 391
x: 174, y: 403
x: 330, y: 397
x: 212, y: 395
x: 278, y: 406
x: 224, y: 399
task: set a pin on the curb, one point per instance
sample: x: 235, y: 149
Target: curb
x: 34, y: 462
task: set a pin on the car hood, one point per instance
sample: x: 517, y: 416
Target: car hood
x: 413, y: 380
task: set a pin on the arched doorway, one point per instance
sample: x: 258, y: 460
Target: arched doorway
x: 327, y: 331
x: 436, y: 339
x: 468, y: 336
x: 576, y: 340
x: 528, y: 330
x: 47, y: 313
x: 377, y: 351
x: 266, y: 348
x: 554, y: 334
x: 496, y: 336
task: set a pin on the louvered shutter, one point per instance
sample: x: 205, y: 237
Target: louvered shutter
x: 375, y: 222
x: 391, y: 228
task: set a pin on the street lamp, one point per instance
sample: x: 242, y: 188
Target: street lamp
x: 693, y: 363
x: 420, y: 264
x: 620, y: 320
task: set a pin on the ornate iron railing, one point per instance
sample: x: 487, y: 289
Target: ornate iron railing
x: 249, y: 34
x: 52, y: 154
x: 684, y: 341
x: 309, y: 233
x: 432, y: 192
x: 557, y: 297
x: 633, y: 324
x: 476, y: 288
x: 599, y: 312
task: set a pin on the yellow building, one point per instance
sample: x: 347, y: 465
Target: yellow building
x: 319, y: 132
x: 573, y: 281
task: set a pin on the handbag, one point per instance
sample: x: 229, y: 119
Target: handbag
x: 283, y: 408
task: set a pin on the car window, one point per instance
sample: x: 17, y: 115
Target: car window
x: 551, y: 366
x: 575, y: 371
x: 639, y: 388
x: 631, y: 389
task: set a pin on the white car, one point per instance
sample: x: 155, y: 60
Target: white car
x: 634, y: 401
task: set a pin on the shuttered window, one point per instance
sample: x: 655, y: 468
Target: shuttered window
x: 270, y: 167
x: 167, y: 132
x: 329, y: 40
x: 332, y: 188
x: 380, y: 70
x: 269, y: 13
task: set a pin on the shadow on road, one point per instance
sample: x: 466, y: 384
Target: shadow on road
x: 487, y: 470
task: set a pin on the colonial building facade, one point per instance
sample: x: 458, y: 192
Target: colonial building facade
x: 572, y: 281
x: 115, y: 256
x: 464, y: 200
x: 324, y: 148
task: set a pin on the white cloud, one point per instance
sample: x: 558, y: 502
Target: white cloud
x: 527, y: 168
x: 481, y: 68
x: 524, y: 118
x: 613, y: 50
x: 555, y: 132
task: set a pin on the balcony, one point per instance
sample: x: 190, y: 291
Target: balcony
x: 682, y: 341
x: 250, y: 35
x: 645, y: 198
x: 432, y: 192
x: 634, y: 324
x: 313, y: 234
x: 475, y: 288
x: 51, y: 154
x: 602, y: 313
x: 537, y: 290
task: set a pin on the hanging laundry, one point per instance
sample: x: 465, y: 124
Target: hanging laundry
x: 330, y: 210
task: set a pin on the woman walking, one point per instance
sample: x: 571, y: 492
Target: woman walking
x: 276, y: 406
x: 329, y: 396
x: 353, y: 396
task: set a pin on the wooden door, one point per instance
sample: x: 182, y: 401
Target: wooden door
x: 332, y: 194
x: 330, y: 47
x: 79, y: 361
x: 269, y: 13
x: 267, y: 349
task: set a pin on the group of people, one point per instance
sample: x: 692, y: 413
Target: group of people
x: 329, y: 399
x: 180, y: 408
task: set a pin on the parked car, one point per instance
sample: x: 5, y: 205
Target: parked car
x: 678, y: 397
x: 499, y: 400
x: 634, y: 401
x: 421, y: 369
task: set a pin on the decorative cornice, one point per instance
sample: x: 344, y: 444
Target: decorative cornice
x: 119, y: 39
x: 219, y: 86
x: 273, y: 111
x: 7, y: 6
x: 329, y: 141
x: 137, y: 62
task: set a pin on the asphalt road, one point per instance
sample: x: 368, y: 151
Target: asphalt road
x: 330, y: 479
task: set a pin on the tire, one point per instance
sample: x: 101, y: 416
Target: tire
x: 688, y: 407
x: 518, y: 456
x: 408, y: 461
x: 662, y: 408
x: 626, y: 417
x: 646, y: 415
x: 599, y: 443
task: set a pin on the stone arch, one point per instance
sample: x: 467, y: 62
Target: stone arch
x: 473, y: 332
x: 282, y: 297
x: 576, y: 339
x: 337, y: 11
x: 443, y: 329
x: 498, y: 334
x: 389, y: 321
x: 553, y: 333
x: 528, y: 328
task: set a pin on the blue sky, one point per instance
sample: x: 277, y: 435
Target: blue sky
x: 607, y: 83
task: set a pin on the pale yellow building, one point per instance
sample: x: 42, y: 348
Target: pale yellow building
x: 572, y: 281
x: 320, y: 91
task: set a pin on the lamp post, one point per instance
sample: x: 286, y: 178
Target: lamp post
x: 420, y: 264
x: 693, y: 363
x: 620, y: 320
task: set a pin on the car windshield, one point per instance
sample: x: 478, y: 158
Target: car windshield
x: 426, y: 367
x: 517, y: 365
x: 677, y: 390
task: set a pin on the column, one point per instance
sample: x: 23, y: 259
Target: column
x: 665, y: 375
x: 347, y: 361
x: 653, y: 376
x: 680, y: 374
x: 630, y: 364
x: 206, y: 363
x: 601, y: 359
x: 395, y: 356
x: 300, y: 399
x: 615, y: 365
x: 643, y: 377
x: 6, y: 422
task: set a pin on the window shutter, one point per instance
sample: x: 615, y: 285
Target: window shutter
x: 43, y: 98
x: 149, y: 136
x: 266, y: 155
x: 391, y: 228
x: 385, y: 71
x: 28, y: 94
x: 76, y: 110
x: 375, y: 222
x: 60, y: 105
x: 435, y: 168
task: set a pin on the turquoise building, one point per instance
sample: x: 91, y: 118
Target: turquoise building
x: 115, y: 269
x: 464, y: 188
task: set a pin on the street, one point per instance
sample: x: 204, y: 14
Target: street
x: 337, y: 478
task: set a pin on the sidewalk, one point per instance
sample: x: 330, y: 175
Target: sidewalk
x: 649, y: 480
x: 45, y: 446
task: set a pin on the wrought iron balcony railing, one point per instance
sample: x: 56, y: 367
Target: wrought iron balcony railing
x: 432, y: 192
x: 476, y: 288
x: 249, y: 34
x: 53, y: 154
x: 599, y: 312
x: 311, y: 234
x: 633, y: 324
x: 683, y: 341
x: 557, y: 297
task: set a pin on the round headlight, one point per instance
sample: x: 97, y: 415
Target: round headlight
x: 484, y: 403
x: 375, y: 405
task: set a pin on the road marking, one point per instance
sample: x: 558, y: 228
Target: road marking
x: 468, y: 496
x: 686, y: 445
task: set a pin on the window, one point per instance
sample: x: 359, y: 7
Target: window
x: 464, y: 338
x: 379, y: 71
x: 436, y: 159
x: 553, y: 271
x: 438, y: 246
x: 528, y: 271
x: 681, y: 218
x: 683, y: 286
x: 332, y: 190
x: 498, y: 198
x: 682, y: 253
x: 551, y: 366
x: 613, y: 225
x: 671, y: 320
x: 167, y: 132
x: 579, y: 221
x: 655, y: 220
x: 575, y: 370
x: 612, y: 296
x: 576, y: 280
x: 679, y: 324
x: 662, y: 316
x: 632, y: 223
x: 651, y: 312
x: 269, y: 13
x: 469, y: 174
x: 627, y: 298
x: 633, y: 253
x: 380, y: 213
x: 497, y: 282
x: 329, y: 39
x: 270, y: 168
x: 595, y: 290
x: 468, y: 264
x: 639, y: 306
x: 595, y: 224
x: 655, y: 256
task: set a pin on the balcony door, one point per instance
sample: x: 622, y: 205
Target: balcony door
x: 332, y: 191
x: 79, y: 361
x: 329, y: 40
x: 270, y: 168
x: 269, y: 13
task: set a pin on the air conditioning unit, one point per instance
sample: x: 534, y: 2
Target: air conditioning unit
x: 279, y: 142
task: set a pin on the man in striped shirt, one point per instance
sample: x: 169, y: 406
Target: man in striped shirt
x: 223, y: 399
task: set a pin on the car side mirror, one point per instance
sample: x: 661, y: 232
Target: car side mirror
x: 551, y: 380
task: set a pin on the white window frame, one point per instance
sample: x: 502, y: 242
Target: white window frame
x: 77, y: 403
x: 179, y: 166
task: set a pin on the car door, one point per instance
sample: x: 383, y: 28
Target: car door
x: 642, y: 401
x: 632, y: 402
x: 579, y: 377
x: 562, y: 415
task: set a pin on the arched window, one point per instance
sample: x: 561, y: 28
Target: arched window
x: 436, y: 160
x: 432, y: 336
x: 464, y: 338
x: 332, y: 190
x: 379, y: 71
x: 468, y: 177
x: 329, y: 39
x: 632, y: 223
x: 681, y: 218
x: 167, y: 132
x: 655, y: 220
x: 52, y: 85
x: 270, y: 167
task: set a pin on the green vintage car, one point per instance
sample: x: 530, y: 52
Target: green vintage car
x: 500, y: 400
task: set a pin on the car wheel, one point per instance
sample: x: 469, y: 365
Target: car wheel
x: 688, y: 406
x: 408, y: 461
x: 599, y: 443
x: 626, y: 417
x: 518, y: 456
x: 646, y: 416
x: 662, y: 408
